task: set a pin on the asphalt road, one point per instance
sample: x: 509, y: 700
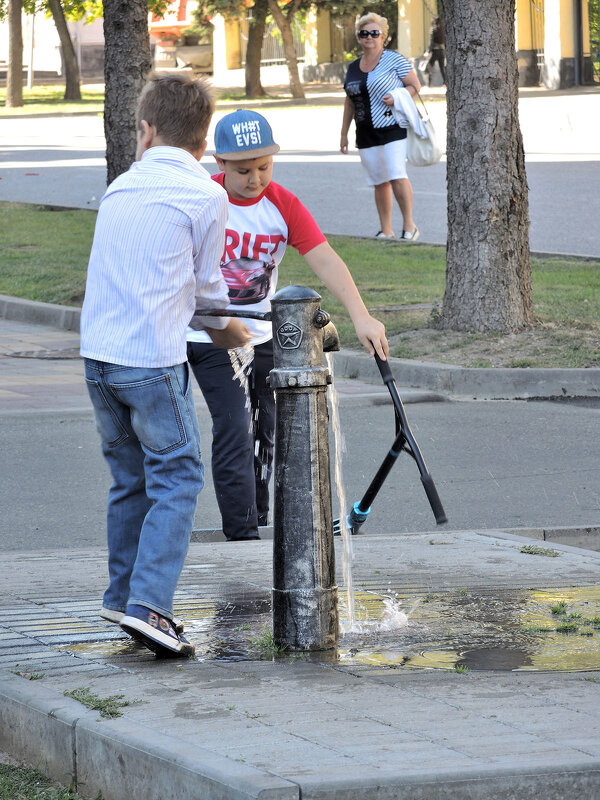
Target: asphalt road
x: 60, y: 160
x: 495, y: 464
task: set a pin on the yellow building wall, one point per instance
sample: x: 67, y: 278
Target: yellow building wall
x: 414, y: 21
x: 233, y: 44
x: 523, y: 32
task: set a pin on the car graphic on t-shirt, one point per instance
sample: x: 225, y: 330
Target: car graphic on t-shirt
x: 248, y: 280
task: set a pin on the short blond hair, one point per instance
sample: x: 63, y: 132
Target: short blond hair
x: 367, y: 18
x: 180, y: 108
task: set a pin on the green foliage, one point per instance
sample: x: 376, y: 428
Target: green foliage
x: 74, y: 10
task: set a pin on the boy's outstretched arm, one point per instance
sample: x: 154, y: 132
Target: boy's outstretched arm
x: 335, y: 275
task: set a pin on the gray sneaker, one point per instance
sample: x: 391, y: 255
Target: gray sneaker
x: 382, y: 235
x: 111, y: 615
x: 156, y: 633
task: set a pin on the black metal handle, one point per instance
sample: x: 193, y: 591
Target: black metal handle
x: 223, y: 312
x: 434, y: 500
x: 410, y: 443
x: 384, y: 369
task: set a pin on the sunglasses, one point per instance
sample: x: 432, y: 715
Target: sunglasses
x: 366, y: 34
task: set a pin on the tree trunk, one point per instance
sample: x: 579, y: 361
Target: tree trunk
x: 256, y: 30
x: 14, y: 77
x: 72, y: 82
x: 291, y: 59
x: 127, y: 62
x: 488, y: 274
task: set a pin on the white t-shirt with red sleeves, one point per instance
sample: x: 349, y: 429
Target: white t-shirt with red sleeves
x: 256, y: 236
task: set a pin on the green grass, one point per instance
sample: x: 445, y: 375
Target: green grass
x: 49, y: 100
x: 44, y: 253
x: 264, y: 646
x: 109, y: 707
x: 23, y: 783
x: 534, y: 550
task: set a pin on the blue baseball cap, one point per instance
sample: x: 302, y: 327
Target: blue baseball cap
x: 244, y: 134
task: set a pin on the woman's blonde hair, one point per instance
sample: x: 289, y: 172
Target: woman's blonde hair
x: 367, y: 18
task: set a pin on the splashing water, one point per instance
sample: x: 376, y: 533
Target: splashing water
x: 347, y: 553
x: 241, y: 361
x: 379, y: 614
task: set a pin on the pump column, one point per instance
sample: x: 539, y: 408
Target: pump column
x: 305, y: 609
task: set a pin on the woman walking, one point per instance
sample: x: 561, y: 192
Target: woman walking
x: 381, y: 142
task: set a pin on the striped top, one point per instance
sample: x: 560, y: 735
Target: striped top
x: 154, y: 260
x: 375, y: 124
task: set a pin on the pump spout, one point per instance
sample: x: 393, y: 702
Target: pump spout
x: 331, y: 339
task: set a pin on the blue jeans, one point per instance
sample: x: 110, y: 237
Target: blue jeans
x: 149, y: 431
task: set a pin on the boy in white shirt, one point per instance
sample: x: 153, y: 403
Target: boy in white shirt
x: 154, y: 260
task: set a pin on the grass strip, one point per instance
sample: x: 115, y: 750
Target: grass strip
x: 48, y: 99
x: 24, y: 783
x: 44, y: 252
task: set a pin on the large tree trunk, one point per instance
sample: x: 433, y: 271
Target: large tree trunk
x: 127, y: 62
x: 291, y: 59
x: 72, y: 82
x: 488, y: 274
x: 14, y: 77
x: 256, y: 30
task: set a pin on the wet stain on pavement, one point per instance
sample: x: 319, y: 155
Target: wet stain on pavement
x: 465, y: 629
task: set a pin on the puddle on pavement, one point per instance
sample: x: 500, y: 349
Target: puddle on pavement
x: 525, y: 629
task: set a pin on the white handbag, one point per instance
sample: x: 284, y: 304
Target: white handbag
x: 423, y: 152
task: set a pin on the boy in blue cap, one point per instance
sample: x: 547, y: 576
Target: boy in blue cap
x: 263, y: 219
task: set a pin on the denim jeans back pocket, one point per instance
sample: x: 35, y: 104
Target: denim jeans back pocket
x: 155, y: 414
x: 108, y: 425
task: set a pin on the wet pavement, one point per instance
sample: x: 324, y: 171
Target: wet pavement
x: 471, y: 667
x: 458, y: 681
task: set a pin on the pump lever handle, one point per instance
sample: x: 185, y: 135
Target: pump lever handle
x: 224, y: 312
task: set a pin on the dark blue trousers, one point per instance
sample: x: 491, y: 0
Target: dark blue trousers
x: 243, y: 435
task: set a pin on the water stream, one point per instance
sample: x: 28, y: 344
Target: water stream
x: 338, y: 439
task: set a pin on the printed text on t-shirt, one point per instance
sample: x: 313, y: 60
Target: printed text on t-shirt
x: 250, y: 246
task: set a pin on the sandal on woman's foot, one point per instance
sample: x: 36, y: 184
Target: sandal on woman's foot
x: 410, y: 236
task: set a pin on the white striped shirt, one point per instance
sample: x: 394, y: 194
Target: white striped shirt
x: 154, y: 260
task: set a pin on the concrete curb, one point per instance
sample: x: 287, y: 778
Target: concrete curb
x: 19, y: 310
x: 120, y: 758
x: 476, y: 383
x: 479, y: 384
x: 518, y: 780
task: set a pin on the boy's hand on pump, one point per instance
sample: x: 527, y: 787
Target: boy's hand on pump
x: 236, y: 334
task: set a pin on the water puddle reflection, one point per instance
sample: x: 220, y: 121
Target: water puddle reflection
x: 461, y: 630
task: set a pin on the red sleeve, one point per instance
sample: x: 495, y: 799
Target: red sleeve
x: 303, y: 231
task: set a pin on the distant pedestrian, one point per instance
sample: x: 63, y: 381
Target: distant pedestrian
x: 154, y: 260
x: 437, y: 49
x: 381, y: 142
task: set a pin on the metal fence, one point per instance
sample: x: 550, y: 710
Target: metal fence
x: 272, y: 46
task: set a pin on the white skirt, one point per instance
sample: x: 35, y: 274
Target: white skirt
x: 385, y: 162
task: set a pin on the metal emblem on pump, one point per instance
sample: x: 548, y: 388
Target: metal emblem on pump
x: 289, y: 336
